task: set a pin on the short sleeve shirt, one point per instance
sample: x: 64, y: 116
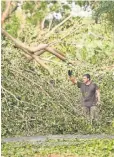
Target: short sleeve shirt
x: 88, y: 93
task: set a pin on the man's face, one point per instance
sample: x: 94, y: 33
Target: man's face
x: 85, y: 79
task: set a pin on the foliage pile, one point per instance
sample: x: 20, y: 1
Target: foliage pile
x: 33, y: 102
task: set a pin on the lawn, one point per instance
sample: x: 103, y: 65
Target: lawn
x: 60, y: 148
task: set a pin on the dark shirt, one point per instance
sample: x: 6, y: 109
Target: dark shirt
x: 88, y: 93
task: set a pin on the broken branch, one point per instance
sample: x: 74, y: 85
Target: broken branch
x: 24, y: 46
x: 54, y: 52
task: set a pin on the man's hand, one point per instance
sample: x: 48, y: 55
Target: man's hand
x: 73, y: 79
x: 70, y: 73
x: 98, y: 97
x: 98, y: 103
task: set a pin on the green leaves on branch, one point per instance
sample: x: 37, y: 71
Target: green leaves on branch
x: 105, y: 10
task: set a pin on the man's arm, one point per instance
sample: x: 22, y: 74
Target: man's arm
x: 73, y: 79
x: 98, y: 95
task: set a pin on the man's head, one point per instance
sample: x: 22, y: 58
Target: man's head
x: 86, y: 78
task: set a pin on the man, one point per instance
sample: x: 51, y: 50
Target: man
x: 90, y: 96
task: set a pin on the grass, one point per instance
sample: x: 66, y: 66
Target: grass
x: 60, y: 148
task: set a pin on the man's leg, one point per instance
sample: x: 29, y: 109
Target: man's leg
x: 86, y: 113
x: 93, y: 113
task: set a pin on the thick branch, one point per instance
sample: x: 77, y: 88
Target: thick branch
x: 58, y: 52
x: 29, y: 49
x: 54, y: 52
x: 38, y: 53
x: 24, y: 46
x: 27, y: 56
x: 16, y: 42
x: 38, y: 60
x: 13, y: 10
x: 41, y: 63
x: 6, y: 12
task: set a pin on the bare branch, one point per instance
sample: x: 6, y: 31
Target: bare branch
x: 24, y: 46
x: 13, y: 10
x: 37, y: 54
x: 66, y: 35
x: 38, y: 60
x: 54, y: 52
x: 10, y: 93
x: 33, y: 83
x: 27, y: 56
x: 41, y: 63
x: 52, y: 31
x: 6, y: 12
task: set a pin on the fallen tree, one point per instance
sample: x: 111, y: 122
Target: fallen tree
x: 33, y: 52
